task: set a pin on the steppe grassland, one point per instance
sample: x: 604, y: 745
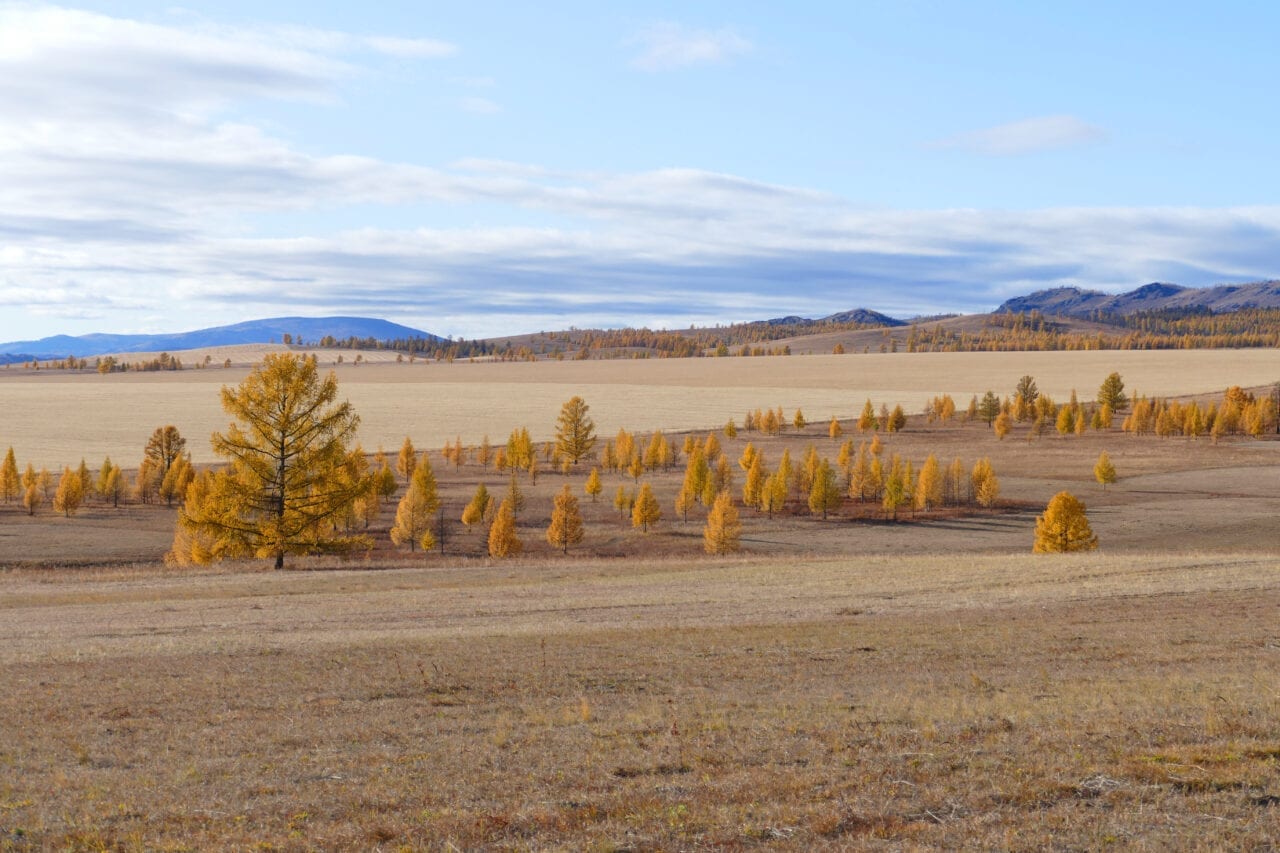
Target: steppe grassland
x: 1008, y: 702
x: 54, y: 419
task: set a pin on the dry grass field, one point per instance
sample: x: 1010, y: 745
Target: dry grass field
x: 843, y: 683
x: 949, y: 701
x: 54, y: 418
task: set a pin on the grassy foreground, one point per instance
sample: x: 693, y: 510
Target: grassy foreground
x: 994, y: 702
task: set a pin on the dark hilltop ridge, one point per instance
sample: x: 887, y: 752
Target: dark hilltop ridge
x: 1158, y: 296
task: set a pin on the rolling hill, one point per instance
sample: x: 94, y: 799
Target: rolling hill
x: 273, y: 330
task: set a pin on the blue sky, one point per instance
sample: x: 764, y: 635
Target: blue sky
x: 494, y: 168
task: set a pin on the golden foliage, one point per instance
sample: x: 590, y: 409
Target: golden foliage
x: 1064, y: 527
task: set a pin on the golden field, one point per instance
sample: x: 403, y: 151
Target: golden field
x: 54, y: 418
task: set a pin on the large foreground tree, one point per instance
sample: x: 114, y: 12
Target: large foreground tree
x: 289, y: 481
x: 575, y: 431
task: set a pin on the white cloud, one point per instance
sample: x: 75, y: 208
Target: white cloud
x: 411, y: 48
x: 1026, y: 136
x: 127, y: 193
x: 666, y: 46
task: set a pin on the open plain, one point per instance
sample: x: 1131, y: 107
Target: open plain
x: 843, y: 682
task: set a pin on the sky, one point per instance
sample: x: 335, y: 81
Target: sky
x: 492, y: 168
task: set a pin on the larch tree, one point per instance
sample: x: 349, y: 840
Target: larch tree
x: 1064, y: 526
x: 503, y: 541
x: 1066, y: 421
x: 756, y: 476
x: 32, y: 497
x: 593, y: 486
x: 897, y: 419
x: 477, y: 508
x: 799, y: 421
x: 773, y: 495
x: 928, y: 494
x: 867, y: 420
x: 824, y: 492
x: 284, y: 489
x: 10, y: 481
x: 1002, y: 424
x: 575, y: 430
x: 623, y: 500
x: 566, y: 521
x: 1104, y: 471
x: 417, y: 509
x: 174, y: 485
x: 407, y: 460
x: 895, y: 489
x: 984, y: 483
x: 723, y: 532
x: 834, y: 430
x: 70, y: 492
x: 646, y: 510
x: 163, y: 449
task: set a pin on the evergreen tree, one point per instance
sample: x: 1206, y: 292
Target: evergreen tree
x: 989, y: 408
x: 1112, y: 393
x: 566, y: 521
x: 1064, y: 526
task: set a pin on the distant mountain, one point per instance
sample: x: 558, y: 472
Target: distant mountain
x: 857, y: 315
x: 307, y: 329
x: 864, y: 316
x: 1074, y: 302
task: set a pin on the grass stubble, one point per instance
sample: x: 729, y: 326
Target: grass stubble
x: 939, y: 701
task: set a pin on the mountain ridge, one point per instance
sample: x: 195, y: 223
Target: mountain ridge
x: 1156, y: 296
x: 269, y: 330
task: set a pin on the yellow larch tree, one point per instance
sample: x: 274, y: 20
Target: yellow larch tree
x: 754, y: 484
x: 723, y: 532
x: 593, y: 486
x: 407, y: 460
x: 928, y: 493
x: 70, y: 492
x: 10, y: 482
x: 285, y: 489
x: 503, y: 541
x: 867, y: 420
x: 646, y: 509
x: 984, y: 483
x: 575, y: 430
x: 1064, y: 526
x: 477, y: 508
x: 1002, y: 425
x: 1104, y: 471
x: 824, y: 492
x: 834, y: 430
x: 565, y: 528
x: 416, y: 511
